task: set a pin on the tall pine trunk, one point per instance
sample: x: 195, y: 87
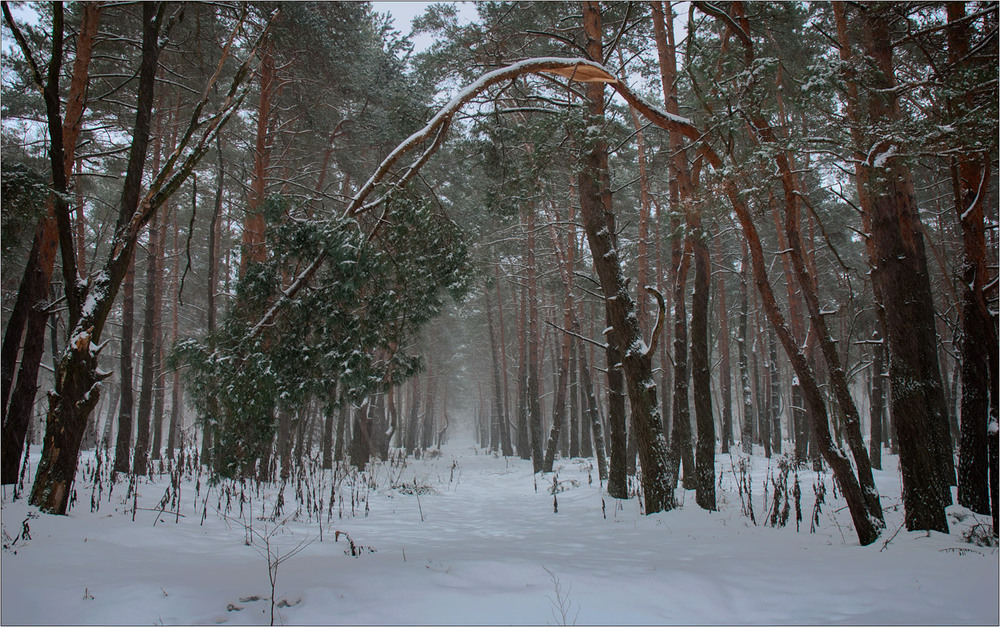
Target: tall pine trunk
x: 970, y: 175
x: 636, y: 357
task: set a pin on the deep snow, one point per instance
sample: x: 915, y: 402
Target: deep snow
x: 465, y: 537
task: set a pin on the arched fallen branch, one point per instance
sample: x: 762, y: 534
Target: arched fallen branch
x: 578, y: 69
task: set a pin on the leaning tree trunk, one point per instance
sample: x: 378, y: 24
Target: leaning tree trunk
x: 76, y: 388
x: 29, y: 315
x: 866, y: 526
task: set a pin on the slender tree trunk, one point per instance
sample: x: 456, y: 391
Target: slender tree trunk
x: 534, y: 356
x: 123, y: 444
x: 284, y: 442
x: 254, y: 248
x: 109, y: 419
x: 877, y: 401
x: 680, y: 432
x: 574, y: 404
x: 427, y: 424
x: 505, y: 443
x: 413, y: 422
x: 725, y: 370
x: 498, y: 419
x: 523, y: 450
x: 774, y: 374
x: 149, y: 357
x: 681, y: 190
x: 559, y: 406
x: 214, y: 228
x: 762, y: 380
x: 746, y: 432
x: 361, y: 442
x: 328, y: 437
x: 176, y: 392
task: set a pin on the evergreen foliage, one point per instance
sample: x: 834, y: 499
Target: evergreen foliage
x: 348, y: 333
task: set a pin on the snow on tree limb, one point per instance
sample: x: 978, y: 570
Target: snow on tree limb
x: 661, y: 314
x: 577, y: 69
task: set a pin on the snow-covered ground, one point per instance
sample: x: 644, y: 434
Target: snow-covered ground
x: 468, y: 538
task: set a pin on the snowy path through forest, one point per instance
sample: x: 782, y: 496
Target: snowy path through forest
x: 465, y: 537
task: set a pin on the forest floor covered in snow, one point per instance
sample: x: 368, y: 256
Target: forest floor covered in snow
x: 466, y: 537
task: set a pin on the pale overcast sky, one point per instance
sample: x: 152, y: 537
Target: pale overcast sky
x: 404, y: 12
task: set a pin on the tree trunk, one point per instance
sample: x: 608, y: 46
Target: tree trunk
x: 725, y: 370
x: 701, y: 372
x: 574, y: 404
x: 214, y: 228
x: 498, y: 416
x: 427, y: 424
x: 149, y: 356
x: 176, y: 393
x: 534, y: 357
x: 866, y: 526
x: 109, y: 419
x: 593, y: 415
x: 969, y: 177
x: 123, y: 443
x: 762, y: 379
x: 559, y: 406
x: 774, y: 393
x: 523, y: 450
x: 413, y: 422
x: 28, y: 312
x: 636, y: 358
x: 900, y: 270
x: 254, y: 248
x: 342, y: 417
x: 877, y: 401
x: 746, y: 432
x: 505, y: 443
x: 328, y: 437
x: 680, y: 431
